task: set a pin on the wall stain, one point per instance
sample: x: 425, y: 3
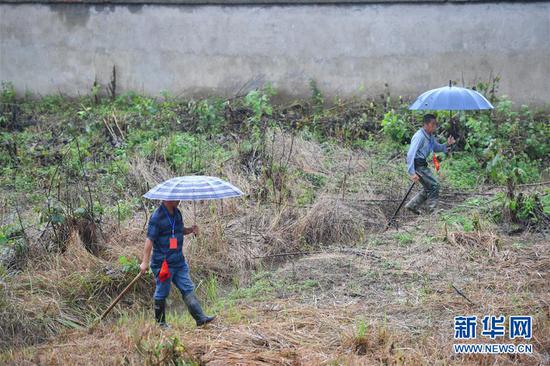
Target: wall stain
x: 77, y: 15
x: 104, y: 7
x: 72, y: 15
x: 135, y: 9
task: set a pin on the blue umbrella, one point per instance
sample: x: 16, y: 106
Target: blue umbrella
x: 193, y: 188
x: 452, y: 98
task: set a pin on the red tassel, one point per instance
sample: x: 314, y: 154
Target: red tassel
x: 164, y: 273
x: 436, y: 163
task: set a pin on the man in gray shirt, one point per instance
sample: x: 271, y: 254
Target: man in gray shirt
x: 423, y: 144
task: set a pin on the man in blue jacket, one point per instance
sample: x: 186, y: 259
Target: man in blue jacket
x: 423, y: 143
x: 165, y: 240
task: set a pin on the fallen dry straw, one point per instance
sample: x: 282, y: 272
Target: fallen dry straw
x: 275, y: 333
x: 484, y: 240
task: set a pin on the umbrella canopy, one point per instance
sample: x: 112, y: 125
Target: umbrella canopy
x: 193, y: 188
x: 451, y: 98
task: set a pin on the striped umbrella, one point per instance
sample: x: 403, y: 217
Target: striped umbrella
x: 193, y: 188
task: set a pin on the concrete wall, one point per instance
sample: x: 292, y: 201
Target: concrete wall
x: 352, y: 49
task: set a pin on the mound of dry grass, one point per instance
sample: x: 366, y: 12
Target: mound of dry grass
x: 59, y: 291
x: 302, y: 154
x: 126, y: 241
x: 233, y: 244
x: 330, y: 222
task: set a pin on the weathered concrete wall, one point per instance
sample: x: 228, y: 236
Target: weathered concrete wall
x: 347, y: 49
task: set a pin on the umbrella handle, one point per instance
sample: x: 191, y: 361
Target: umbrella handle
x: 194, y: 213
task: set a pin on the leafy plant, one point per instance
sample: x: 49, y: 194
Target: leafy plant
x: 396, y: 128
x: 464, y: 222
x: 7, y: 94
x: 510, y: 142
x: 317, y: 99
x: 192, y: 153
x: 209, y: 114
x: 404, y: 239
x: 166, y: 351
x: 462, y: 171
x: 141, y: 105
x: 260, y: 103
x: 211, y: 289
x: 96, y: 89
x: 129, y: 265
x: 7, y: 103
x: 7, y: 234
x: 84, y: 112
x: 361, y: 329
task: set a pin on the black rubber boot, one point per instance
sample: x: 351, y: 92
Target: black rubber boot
x: 195, y: 309
x: 414, y: 210
x: 160, y: 312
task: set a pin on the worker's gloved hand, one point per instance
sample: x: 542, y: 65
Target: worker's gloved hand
x: 450, y: 140
x: 143, y: 267
x: 195, y: 229
x: 415, y: 178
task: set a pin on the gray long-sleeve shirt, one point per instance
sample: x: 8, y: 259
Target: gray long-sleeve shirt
x: 422, y: 145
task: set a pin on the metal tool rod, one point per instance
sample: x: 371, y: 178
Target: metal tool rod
x: 115, y: 301
x: 400, y: 205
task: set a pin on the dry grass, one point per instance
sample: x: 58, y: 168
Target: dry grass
x: 234, y: 242
x: 330, y: 221
x: 275, y: 333
x: 267, y: 333
x: 400, y: 293
x: 467, y: 241
x: 128, y: 241
x: 144, y: 174
x: 59, y: 291
x: 304, y: 155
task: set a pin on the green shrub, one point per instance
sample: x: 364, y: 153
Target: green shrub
x: 500, y: 168
x: 192, y: 153
x: 7, y: 97
x: 7, y: 94
x: 209, y: 114
x: 129, y: 265
x: 509, y: 142
x: 260, y: 103
x: 396, y: 127
x: 461, y: 170
x: 456, y: 219
x: 137, y: 104
x: 526, y: 210
x: 317, y: 99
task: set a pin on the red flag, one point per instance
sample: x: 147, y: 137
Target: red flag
x: 164, y: 273
x: 436, y: 163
